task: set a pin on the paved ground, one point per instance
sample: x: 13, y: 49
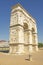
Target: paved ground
x: 11, y: 59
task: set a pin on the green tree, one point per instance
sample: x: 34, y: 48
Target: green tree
x: 40, y: 45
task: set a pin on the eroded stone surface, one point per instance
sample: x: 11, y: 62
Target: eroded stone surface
x: 23, y: 31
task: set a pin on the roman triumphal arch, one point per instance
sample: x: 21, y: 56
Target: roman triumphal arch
x: 23, y: 31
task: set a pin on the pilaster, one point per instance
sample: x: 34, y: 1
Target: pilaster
x: 36, y: 41
x: 30, y: 38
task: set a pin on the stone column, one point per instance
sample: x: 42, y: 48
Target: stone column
x: 30, y: 41
x: 36, y: 38
x: 30, y: 37
x: 21, y: 40
x: 36, y: 41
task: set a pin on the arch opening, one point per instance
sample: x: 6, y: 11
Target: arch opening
x: 33, y: 39
x: 25, y: 26
x: 33, y: 36
x: 26, y: 33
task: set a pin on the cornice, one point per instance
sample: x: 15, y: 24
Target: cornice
x: 18, y: 5
x: 16, y: 25
x: 13, y: 44
x: 18, y: 10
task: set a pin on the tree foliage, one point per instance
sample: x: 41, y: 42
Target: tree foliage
x: 40, y: 45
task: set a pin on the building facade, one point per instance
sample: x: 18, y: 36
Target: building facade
x: 23, y: 31
x: 4, y: 46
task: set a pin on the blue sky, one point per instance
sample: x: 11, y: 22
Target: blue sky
x: 34, y: 7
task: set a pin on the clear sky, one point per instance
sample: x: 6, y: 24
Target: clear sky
x: 34, y: 7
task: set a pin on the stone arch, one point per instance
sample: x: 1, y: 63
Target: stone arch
x: 33, y: 37
x: 26, y: 34
x: 33, y: 30
x: 26, y: 37
x: 25, y: 26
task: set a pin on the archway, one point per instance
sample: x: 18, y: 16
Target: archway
x: 26, y: 33
x: 26, y: 37
x: 25, y: 26
x: 33, y: 39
